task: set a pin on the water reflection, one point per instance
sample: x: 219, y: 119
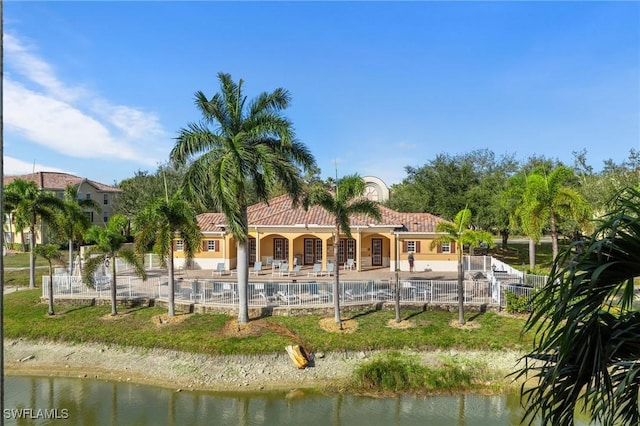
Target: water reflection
x: 92, y: 402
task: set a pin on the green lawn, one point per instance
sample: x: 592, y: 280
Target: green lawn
x: 26, y: 317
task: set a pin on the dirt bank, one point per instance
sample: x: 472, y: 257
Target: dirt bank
x: 181, y: 370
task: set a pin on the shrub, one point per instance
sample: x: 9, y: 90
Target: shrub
x: 517, y: 304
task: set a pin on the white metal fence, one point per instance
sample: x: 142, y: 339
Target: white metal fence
x: 303, y: 293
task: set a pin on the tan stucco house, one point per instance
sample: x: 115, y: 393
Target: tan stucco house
x: 278, y: 231
x: 57, y: 183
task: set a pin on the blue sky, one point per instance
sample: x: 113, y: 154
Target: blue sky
x: 101, y: 89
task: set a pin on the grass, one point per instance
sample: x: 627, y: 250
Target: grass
x: 26, y: 317
x: 396, y: 372
x: 517, y: 255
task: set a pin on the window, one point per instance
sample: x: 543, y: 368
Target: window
x: 106, y: 199
x: 88, y: 196
x: 446, y: 247
x: 60, y: 195
x: 90, y: 216
x: 410, y: 246
x: 105, y: 217
x: 210, y: 245
x: 179, y: 245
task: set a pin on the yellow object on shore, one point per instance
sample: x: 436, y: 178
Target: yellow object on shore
x: 296, y: 353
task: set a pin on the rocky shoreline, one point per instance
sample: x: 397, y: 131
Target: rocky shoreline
x: 230, y: 373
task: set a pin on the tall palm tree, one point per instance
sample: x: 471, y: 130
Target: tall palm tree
x: 109, y: 242
x: 548, y: 199
x: 342, y: 202
x: 74, y: 221
x: 460, y: 233
x: 51, y: 254
x: 251, y: 148
x: 32, y: 205
x: 157, y: 224
x: 587, y: 329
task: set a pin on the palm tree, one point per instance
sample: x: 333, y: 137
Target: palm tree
x: 343, y: 202
x: 458, y: 233
x: 158, y: 223
x: 52, y: 254
x: 548, y: 199
x: 30, y: 205
x: 251, y: 149
x: 587, y: 329
x: 109, y: 242
x: 74, y: 222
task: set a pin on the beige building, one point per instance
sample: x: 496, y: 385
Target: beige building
x: 57, y: 183
x: 279, y: 232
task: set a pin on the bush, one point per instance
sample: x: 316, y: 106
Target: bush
x: 396, y: 372
x: 517, y: 304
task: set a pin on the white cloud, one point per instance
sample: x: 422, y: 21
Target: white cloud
x: 71, y: 120
x: 12, y: 166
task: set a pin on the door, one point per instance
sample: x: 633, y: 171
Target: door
x: 376, y: 251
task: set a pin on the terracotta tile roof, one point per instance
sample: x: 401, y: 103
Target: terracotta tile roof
x: 58, y: 181
x: 280, y: 212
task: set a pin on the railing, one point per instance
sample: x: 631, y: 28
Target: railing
x: 309, y: 293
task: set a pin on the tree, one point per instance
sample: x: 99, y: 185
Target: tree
x: 139, y: 190
x: 31, y: 205
x: 74, y: 222
x: 157, y: 224
x: 52, y: 255
x: 458, y: 233
x: 342, y: 202
x: 109, y: 242
x: 251, y: 150
x: 587, y: 330
x: 548, y: 199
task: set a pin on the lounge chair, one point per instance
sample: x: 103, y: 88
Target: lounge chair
x: 294, y: 271
x: 349, y: 264
x: 266, y: 292
x: 283, y: 270
x: 316, y: 294
x: 316, y: 271
x: 329, y: 270
x: 220, y: 269
x: 288, y: 297
x: 257, y: 267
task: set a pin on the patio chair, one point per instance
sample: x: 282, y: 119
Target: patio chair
x: 220, y: 269
x: 216, y: 291
x: 316, y: 294
x: 283, y: 270
x: 349, y: 264
x: 266, y: 292
x: 316, y: 271
x: 329, y: 270
x: 196, y: 291
x: 288, y: 297
x: 294, y: 271
x: 257, y: 267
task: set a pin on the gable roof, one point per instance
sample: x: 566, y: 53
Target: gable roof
x: 280, y: 212
x: 56, y: 181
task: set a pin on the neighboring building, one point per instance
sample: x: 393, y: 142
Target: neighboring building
x: 375, y: 189
x: 57, y: 183
x: 279, y: 231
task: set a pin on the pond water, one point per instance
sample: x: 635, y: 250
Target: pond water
x: 45, y: 400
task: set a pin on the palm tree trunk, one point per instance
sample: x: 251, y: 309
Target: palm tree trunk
x: 171, y: 284
x: 460, y: 286
x: 336, y: 279
x: 70, y: 256
x: 554, y: 234
x: 243, y: 282
x: 532, y: 254
x: 114, y: 307
x: 51, y: 291
x: 32, y: 257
